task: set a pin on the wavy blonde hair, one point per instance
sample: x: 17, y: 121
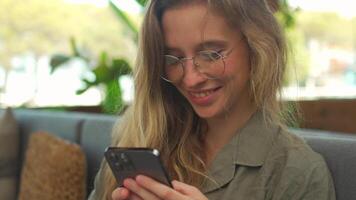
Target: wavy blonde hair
x: 161, y: 118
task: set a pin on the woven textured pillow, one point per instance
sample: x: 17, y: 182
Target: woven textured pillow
x: 9, y: 155
x: 54, y: 169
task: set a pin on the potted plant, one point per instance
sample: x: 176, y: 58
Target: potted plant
x: 106, y: 71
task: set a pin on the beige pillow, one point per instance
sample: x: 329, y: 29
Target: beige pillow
x: 9, y: 155
x: 53, y: 169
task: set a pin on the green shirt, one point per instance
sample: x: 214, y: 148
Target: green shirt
x: 266, y: 162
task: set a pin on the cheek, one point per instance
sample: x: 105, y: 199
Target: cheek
x: 238, y: 68
x: 239, y: 61
x: 238, y: 76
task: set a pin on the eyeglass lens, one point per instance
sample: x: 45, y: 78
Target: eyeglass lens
x: 209, y: 63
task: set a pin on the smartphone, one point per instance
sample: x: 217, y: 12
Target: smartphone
x: 130, y: 162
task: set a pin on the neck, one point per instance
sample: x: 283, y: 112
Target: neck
x: 223, y: 128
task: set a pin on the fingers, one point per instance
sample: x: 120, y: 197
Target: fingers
x: 181, y: 187
x: 145, y: 188
x: 122, y: 193
x: 184, y: 188
x: 135, y: 197
x: 160, y: 190
x: 188, y: 190
x: 138, y: 190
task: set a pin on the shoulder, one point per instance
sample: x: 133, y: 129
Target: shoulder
x: 293, y: 162
x: 291, y: 159
x: 294, y: 153
x: 295, y: 168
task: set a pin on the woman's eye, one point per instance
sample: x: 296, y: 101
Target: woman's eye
x: 209, y: 55
x: 177, y: 56
x: 220, y: 50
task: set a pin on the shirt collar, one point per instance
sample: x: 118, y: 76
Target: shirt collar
x: 249, y: 147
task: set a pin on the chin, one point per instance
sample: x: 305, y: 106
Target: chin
x: 207, y: 113
x: 216, y: 109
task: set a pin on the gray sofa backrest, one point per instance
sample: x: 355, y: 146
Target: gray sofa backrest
x: 340, y: 155
x: 339, y: 152
x: 95, y: 137
x: 92, y: 132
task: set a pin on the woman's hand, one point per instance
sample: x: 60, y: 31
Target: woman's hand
x: 145, y: 188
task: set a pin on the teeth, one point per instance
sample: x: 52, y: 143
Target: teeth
x: 202, y: 94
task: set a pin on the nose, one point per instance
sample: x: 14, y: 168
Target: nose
x: 192, y: 77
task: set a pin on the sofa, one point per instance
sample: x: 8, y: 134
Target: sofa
x: 92, y: 132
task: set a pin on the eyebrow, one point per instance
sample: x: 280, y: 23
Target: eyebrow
x: 204, y: 45
x: 212, y: 44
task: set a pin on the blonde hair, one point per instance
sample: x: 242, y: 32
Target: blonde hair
x: 161, y: 118
x: 268, y: 54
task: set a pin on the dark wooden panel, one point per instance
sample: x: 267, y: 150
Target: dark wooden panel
x: 330, y: 114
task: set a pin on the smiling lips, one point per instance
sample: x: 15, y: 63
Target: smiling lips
x: 203, y: 98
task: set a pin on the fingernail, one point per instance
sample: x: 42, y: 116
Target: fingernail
x: 138, y: 177
x: 128, y: 181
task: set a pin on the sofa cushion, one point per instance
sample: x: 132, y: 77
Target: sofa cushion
x: 62, y: 124
x: 9, y: 153
x: 53, y: 169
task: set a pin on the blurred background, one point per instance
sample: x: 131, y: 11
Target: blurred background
x: 78, y: 55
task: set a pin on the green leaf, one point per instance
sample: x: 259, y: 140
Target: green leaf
x: 120, y: 67
x: 88, y: 84
x: 286, y: 14
x: 74, y: 47
x: 142, y: 2
x: 102, y: 74
x: 123, y: 16
x: 58, y: 60
x: 113, y: 100
x: 81, y: 91
x: 102, y: 71
x: 103, y: 58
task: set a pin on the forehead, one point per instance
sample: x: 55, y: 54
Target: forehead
x: 190, y: 25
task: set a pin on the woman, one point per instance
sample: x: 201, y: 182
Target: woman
x: 207, y: 83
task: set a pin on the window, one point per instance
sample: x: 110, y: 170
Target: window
x: 324, y: 45
x: 33, y: 31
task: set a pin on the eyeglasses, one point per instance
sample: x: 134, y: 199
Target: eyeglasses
x: 209, y: 63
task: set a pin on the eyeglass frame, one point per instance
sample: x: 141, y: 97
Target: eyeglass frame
x: 223, y: 57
